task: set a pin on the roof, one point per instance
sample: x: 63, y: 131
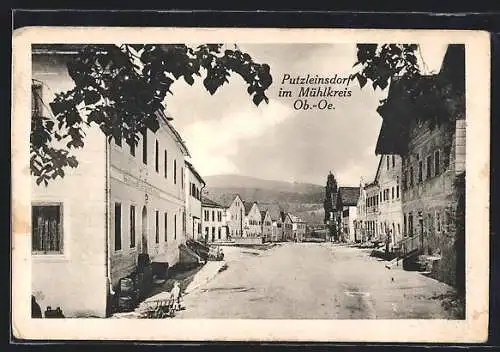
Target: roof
x: 400, y: 109
x: 248, y: 206
x: 349, y: 196
x: 274, y: 210
x: 195, y: 173
x: 209, y: 203
x: 263, y: 214
x: 177, y: 137
x: 377, y: 174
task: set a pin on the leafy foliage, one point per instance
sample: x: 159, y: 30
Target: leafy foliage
x: 121, y: 88
x: 430, y: 98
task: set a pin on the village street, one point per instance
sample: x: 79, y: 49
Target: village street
x: 314, y: 280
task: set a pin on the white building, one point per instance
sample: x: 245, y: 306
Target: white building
x: 194, y: 187
x: 347, y: 200
x: 390, y: 206
x: 89, y: 227
x: 253, y: 221
x: 361, y: 218
x: 235, y: 218
x: 214, y: 221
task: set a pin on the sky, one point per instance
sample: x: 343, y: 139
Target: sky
x: 227, y: 134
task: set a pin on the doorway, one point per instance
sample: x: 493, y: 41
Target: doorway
x: 421, y: 231
x: 144, y: 237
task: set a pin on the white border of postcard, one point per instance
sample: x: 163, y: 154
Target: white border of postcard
x: 473, y: 329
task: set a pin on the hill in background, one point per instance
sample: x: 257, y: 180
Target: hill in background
x: 302, y: 199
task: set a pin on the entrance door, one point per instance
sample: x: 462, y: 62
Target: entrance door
x: 144, y: 237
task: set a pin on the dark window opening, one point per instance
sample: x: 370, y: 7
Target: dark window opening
x: 47, y: 234
x: 157, y: 226
x: 145, y: 147
x: 118, y: 226
x: 132, y: 226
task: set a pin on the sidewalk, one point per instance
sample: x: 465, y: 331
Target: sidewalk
x: 207, y: 273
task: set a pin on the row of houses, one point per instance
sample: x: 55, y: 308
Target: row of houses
x: 416, y: 201
x: 249, y: 222
x: 121, y: 202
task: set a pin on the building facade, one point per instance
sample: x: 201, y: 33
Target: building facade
x: 432, y: 148
x: 372, y: 211
x: 267, y: 225
x: 194, y: 188
x: 287, y: 227
x: 214, y: 221
x: 347, y: 200
x: 253, y: 221
x: 133, y: 202
x: 298, y: 228
x: 360, y: 223
x: 388, y: 178
x: 235, y: 218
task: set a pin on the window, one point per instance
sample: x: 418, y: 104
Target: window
x: 219, y: 234
x: 165, y: 226
x: 199, y: 228
x: 183, y: 222
x: 438, y: 222
x: 420, y: 171
x: 157, y: 226
x: 410, y: 180
x: 131, y: 144
x: 47, y: 229
x: 118, y: 226
x: 392, y: 191
x: 213, y: 215
x: 157, y: 157
x: 206, y: 230
x: 428, y: 173
x: 410, y: 224
x: 132, y: 226
x: 145, y: 147
x: 36, y: 100
x: 387, y: 159
x: 399, y: 229
x: 437, y: 168
x: 393, y: 161
x: 397, y: 187
x: 206, y: 215
x: 165, y: 164
x: 175, y: 226
x: 175, y: 172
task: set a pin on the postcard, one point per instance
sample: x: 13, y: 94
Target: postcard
x: 265, y: 184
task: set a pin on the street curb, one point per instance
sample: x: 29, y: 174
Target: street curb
x: 206, y: 280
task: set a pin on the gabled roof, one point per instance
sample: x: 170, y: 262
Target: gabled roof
x: 209, y: 203
x: 263, y: 214
x: 195, y: 173
x: 348, y: 196
x: 274, y: 210
x: 248, y: 206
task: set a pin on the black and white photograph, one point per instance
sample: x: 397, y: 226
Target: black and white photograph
x: 263, y: 181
